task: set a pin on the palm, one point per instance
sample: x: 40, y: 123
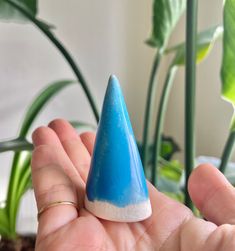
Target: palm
x: 91, y: 233
x: 60, y: 166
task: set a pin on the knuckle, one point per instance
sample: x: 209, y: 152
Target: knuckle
x: 55, y: 189
x: 56, y: 192
x: 42, y: 150
x: 39, y: 154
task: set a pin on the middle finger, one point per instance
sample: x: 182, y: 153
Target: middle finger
x: 73, y: 146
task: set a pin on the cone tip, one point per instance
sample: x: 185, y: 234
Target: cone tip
x: 113, y: 78
x: 113, y: 82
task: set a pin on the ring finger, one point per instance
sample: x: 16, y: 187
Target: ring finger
x: 51, y: 184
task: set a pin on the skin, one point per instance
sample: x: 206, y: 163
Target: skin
x: 60, y: 166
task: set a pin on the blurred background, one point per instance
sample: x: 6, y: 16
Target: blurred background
x: 105, y: 37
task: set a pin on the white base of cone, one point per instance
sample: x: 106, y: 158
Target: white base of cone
x: 131, y: 213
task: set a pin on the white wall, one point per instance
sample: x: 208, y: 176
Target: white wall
x: 104, y: 37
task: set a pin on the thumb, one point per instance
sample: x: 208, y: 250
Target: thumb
x: 212, y: 194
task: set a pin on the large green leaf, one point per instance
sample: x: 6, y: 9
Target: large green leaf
x: 10, y: 13
x: 7, y: 12
x: 228, y: 61
x: 205, y: 42
x: 40, y: 101
x: 166, y: 14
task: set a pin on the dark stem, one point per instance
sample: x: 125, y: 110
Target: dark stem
x: 64, y: 52
x: 15, y: 145
x: 190, y: 82
x: 149, y: 107
x: 228, y: 150
x: 160, y: 120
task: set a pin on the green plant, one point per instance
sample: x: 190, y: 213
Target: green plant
x: 20, y: 178
x: 166, y: 13
x: 164, y: 172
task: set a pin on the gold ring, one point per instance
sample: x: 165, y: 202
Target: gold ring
x: 56, y: 203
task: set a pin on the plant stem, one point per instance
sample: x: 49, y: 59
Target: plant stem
x: 20, y: 168
x: 64, y: 52
x: 15, y: 145
x: 190, y: 82
x: 149, y: 106
x: 228, y: 149
x: 160, y: 120
x: 11, y: 201
x: 25, y: 176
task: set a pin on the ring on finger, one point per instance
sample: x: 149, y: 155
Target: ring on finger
x: 54, y: 204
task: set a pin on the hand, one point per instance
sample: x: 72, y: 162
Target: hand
x: 60, y: 165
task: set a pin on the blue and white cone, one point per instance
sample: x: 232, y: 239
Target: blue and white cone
x: 116, y: 188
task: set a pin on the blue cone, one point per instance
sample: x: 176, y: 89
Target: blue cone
x: 116, y: 186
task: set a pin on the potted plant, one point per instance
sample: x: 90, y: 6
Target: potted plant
x: 165, y: 173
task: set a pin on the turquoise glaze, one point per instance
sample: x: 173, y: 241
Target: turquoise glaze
x: 116, y: 174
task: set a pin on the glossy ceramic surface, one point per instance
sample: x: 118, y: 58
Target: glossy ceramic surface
x: 116, y: 174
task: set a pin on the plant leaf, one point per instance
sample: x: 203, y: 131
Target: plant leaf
x: 19, y: 166
x: 168, y: 147
x: 24, y: 176
x: 17, y: 144
x: 40, y: 101
x: 166, y: 14
x: 205, y: 42
x: 3, y: 223
x: 7, y: 12
x: 171, y: 170
x: 228, y: 60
